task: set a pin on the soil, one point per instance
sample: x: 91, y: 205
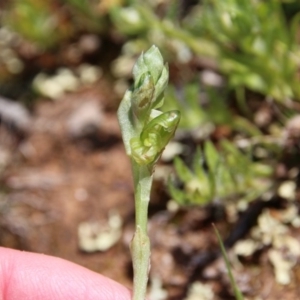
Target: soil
x: 52, y: 180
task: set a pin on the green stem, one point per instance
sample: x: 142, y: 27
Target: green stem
x: 140, y: 245
x: 145, y: 131
x: 142, y: 177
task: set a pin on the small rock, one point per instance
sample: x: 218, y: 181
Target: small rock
x: 282, y: 267
x: 200, y: 291
x: 89, y: 74
x: 15, y: 114
x: 246, y: 247
x: 85, y: 120
x: 94, y: 236
x: 287, y: 190
x: 211, y: 78
x: 172, y: 149
x: 89, y: 43
x: 291, y: 134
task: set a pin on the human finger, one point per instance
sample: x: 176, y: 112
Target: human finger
x: 30, y: 276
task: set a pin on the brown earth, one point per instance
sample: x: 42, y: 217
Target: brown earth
x: 65, y: 171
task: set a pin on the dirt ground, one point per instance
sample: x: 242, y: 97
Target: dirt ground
x: 65, y: 171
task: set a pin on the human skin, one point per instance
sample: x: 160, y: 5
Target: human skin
x: 30, y: 276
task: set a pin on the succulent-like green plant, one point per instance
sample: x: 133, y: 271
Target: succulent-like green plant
x: 257, y: 47
x: 251, y: 41
x: 146, y: 131
x: 229, y: 174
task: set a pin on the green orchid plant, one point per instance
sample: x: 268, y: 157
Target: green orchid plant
x: 146, y: 131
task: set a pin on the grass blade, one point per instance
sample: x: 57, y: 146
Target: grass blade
x: 237, y: 292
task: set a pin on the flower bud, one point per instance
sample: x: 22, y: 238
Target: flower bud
x: 141, y: 98
x: 151, y: 62
x: 160, y: 87
x: 154, y: 62
x: 148, y: 147
x: 162, y: 127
